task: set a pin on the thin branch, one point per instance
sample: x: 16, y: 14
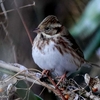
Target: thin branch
x: 31, y: 76
x: 3, y: 9
x: 28, y: 33
x: 29, y: 5
x: 9, y: 67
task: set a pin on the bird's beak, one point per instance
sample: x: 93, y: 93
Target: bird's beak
x: 37, y: 30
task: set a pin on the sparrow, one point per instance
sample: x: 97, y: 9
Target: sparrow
x: 54, y: 49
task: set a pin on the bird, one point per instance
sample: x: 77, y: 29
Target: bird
x: 54, y: 49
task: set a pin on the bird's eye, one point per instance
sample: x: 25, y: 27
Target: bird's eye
x: 47, y: 28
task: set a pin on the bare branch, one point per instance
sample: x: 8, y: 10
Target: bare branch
x: 71, y: 89
x: 29, y: 5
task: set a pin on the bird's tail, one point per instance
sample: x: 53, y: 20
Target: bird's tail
x: 90, y: 68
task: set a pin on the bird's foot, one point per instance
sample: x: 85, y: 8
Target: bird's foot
x: 45, y: 72
x: 61, y: 79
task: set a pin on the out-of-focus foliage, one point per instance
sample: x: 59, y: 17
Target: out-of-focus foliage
x: 88, y: 28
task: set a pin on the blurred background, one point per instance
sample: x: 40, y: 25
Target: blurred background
x: 81, y: 18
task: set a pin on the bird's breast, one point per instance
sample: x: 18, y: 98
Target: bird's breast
x: 51, y: 56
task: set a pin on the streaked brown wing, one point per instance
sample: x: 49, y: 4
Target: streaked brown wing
x: 74, y: 44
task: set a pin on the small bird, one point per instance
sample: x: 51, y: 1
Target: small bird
x: 54, y: 48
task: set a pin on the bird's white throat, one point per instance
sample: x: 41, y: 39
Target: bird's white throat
x: 49, y: 36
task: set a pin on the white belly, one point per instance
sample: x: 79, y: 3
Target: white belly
x: 51, y: 59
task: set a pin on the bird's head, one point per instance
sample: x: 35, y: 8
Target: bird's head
x: 49, y: 26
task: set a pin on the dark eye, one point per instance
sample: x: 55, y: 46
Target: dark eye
x: 47, y: 28
x: 42, y: 36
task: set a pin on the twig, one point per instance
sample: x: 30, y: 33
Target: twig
x: 3, y: 9
x: 63, y: 98
x: 9, y: 67
x: 29, y: 5
x: 26, y: 76
x: 31, y: 76
x: 28, y: 33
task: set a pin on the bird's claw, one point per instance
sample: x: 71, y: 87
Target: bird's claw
x: 45, y: 72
